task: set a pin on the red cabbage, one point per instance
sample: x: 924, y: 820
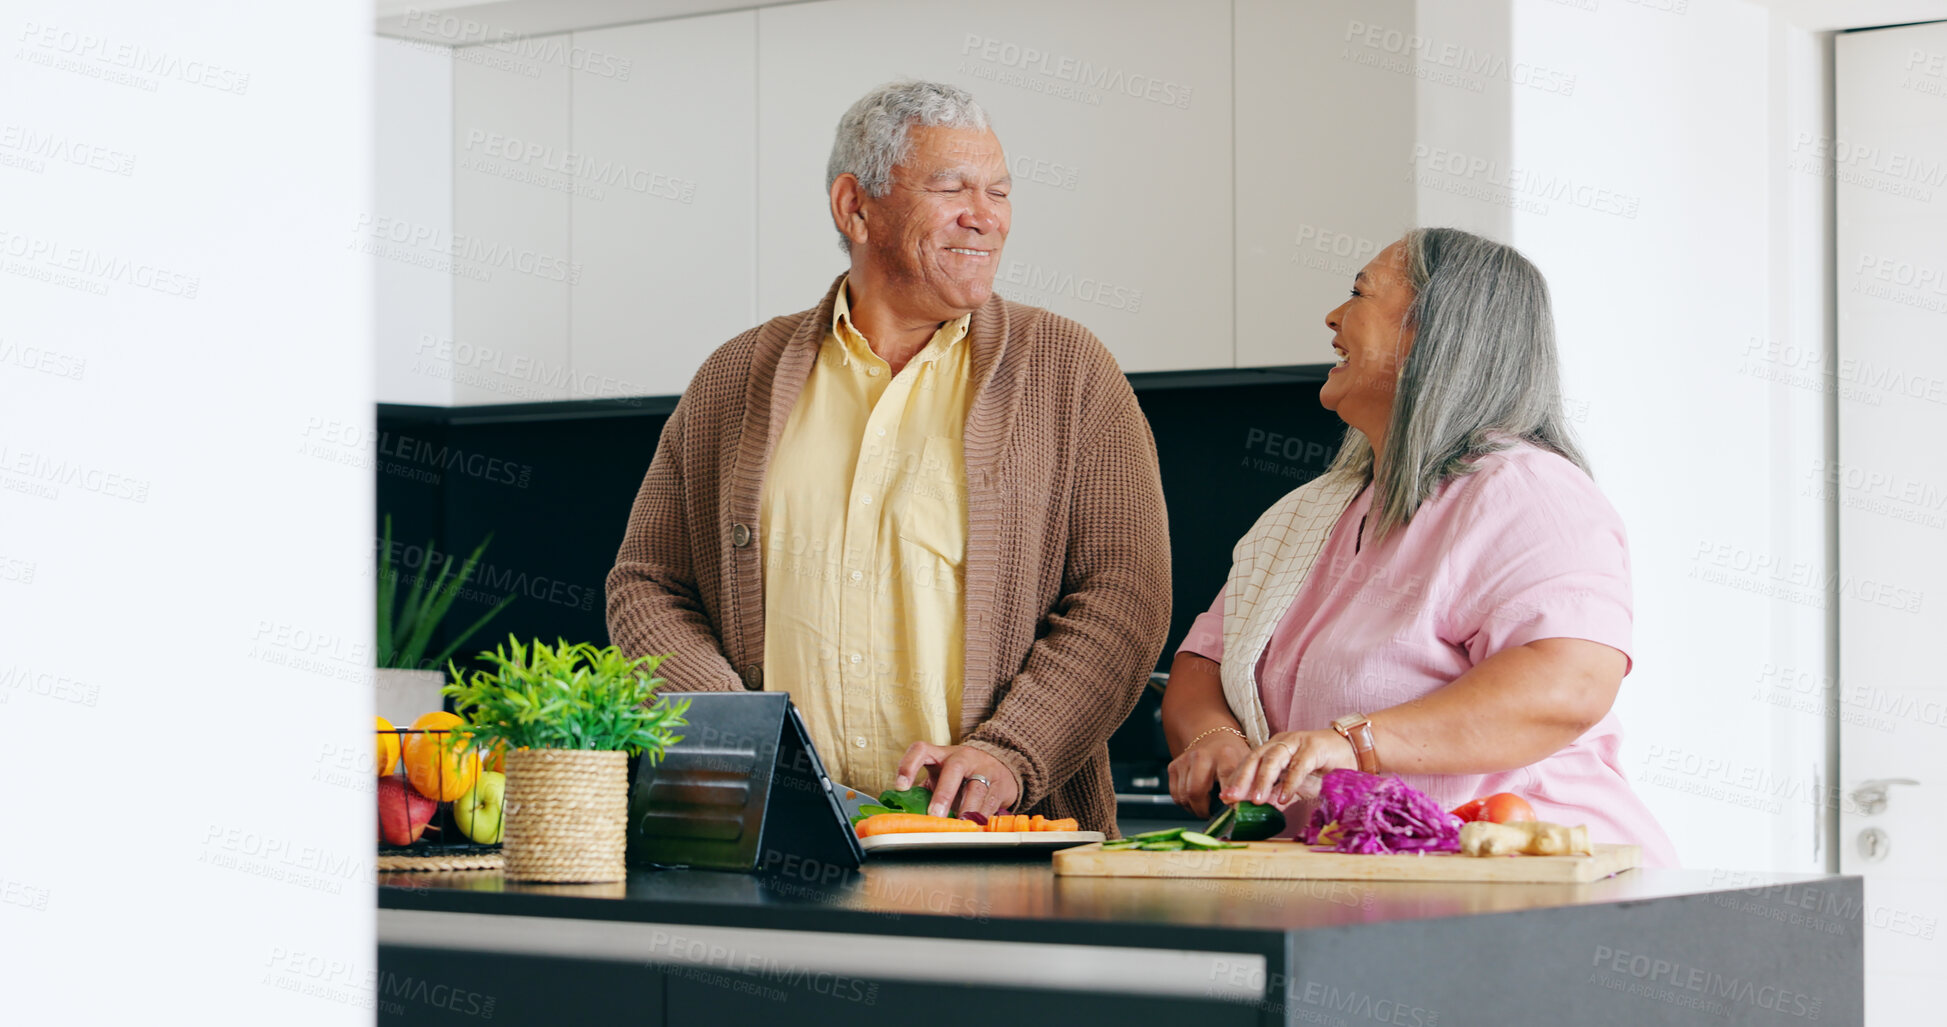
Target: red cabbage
x: 1380, y: 815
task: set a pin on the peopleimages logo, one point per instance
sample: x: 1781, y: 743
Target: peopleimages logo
x: 1109, y: 79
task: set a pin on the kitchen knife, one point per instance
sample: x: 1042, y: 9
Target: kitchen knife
x: 1221, y: 823
x: 850, y: 799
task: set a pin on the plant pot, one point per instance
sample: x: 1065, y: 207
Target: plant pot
x: 401, y: 696
x: 567, y: 815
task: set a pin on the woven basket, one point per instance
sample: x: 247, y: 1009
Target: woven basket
x: 567, y: 815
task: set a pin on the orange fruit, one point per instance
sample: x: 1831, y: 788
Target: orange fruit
x: 436, y: 770
x: 388, y: 747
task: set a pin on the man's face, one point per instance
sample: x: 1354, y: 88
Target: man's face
x: 935, y: 238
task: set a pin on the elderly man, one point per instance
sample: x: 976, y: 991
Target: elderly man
x: 929, y: 514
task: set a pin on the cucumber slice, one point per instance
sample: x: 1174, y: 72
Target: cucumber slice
x: 1199, y: 840
x: 1171, y: 845
x: 1168, y: 834
x: 1121, y: 843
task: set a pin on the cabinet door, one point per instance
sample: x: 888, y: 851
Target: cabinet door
x: 1116, y: 119
x: 413, y: 186
x: 662, y: 213
x: 1323, y: 136
x: 509, y: 254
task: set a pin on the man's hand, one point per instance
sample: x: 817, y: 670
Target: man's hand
x: 950, y: 767
x: 1210, y: 762
x: 1277, y: 772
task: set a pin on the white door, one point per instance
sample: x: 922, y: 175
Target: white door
x: 1890, y: 159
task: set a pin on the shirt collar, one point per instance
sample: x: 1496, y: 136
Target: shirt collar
x: 948, y: 336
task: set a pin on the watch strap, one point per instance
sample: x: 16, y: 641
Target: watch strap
x: 1357, y: 729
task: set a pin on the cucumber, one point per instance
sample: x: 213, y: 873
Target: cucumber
x: 1121, y: 843
x: 1199, y: 840
x: 1170, y: 845
x: 1255, y: 822
x: 1165, y: 835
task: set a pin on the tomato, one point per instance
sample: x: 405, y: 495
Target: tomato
x: 1501, y: 808
x: 1506, y: 808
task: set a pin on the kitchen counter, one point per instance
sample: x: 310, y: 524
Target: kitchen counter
x: 950, y: 940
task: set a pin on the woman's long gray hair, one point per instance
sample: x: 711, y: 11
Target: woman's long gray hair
x: 1482, y: 372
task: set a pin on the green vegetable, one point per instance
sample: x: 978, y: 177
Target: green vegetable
x: 1255, y: 822
x: 1174, y: 845
x: 1199, y: 840
x: 1166, y: 835
x: 869, y: 810
x: 1121, y: 843
x: 912, y: 800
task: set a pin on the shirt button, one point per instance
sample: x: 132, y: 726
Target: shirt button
x: 866, y: 500
x: 857, y: 576
x: 882, y: 433
x: 857, y: 658
x: 740, y: 535
x: 860, y: 742
x: 873, y: 371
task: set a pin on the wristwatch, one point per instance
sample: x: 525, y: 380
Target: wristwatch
x: 1355, y: 728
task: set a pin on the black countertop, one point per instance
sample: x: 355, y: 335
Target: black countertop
x: 963, y: 936
x: 1017, y: 898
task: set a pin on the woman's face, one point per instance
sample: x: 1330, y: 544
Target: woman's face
x: 1371, y: 337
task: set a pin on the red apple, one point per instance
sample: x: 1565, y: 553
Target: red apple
x: 403, y: 813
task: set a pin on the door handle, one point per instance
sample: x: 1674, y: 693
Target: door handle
x: 1870, y: 796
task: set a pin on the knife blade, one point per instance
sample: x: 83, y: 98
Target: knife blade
x: 1220, y: 824
x: 851, y: 799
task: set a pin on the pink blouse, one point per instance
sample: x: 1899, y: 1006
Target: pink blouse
x: 1524, y: 548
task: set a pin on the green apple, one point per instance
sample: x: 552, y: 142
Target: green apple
x: 482, y: 810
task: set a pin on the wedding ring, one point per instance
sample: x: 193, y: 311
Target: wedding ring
x: 980, y: 778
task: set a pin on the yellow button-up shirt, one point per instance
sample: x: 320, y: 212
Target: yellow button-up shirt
x: 864, y: 520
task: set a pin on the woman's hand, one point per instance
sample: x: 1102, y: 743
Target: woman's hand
x: 1209, y: 762
x: 1276, y: 773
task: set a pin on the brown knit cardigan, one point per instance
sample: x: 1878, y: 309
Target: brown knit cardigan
x: 1068, y: 556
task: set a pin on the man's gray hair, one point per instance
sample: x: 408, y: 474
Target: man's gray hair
x: 1482, y: 371
x: 873, y: 138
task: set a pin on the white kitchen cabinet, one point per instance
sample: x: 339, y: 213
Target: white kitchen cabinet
x: 1117, y: 125
x: 509, y: 253
x: 663, y: 223
x: 412, y: 185
x: 1324, y: 135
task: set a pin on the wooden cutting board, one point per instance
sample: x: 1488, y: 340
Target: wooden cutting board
x: 1291, y: 860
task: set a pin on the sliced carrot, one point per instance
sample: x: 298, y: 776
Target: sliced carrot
x: 1036, y: 822
x: 910, y: 823
x: 1065, y: 824
x: 1004, y: 823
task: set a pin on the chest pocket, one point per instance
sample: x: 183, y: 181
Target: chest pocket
x: 929, y: 513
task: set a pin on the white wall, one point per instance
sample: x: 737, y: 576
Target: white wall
x: 185, y: 514
x: 1684, y: 231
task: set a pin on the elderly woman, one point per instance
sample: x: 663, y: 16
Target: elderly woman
x: 1450, y: 602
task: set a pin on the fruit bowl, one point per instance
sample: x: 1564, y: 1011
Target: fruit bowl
x: 436, y: 797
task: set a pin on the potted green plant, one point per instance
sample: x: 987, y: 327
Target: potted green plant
x: 407, y: 682
x: 567, y: 718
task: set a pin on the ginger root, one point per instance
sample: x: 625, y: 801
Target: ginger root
x: 1530, y: 838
